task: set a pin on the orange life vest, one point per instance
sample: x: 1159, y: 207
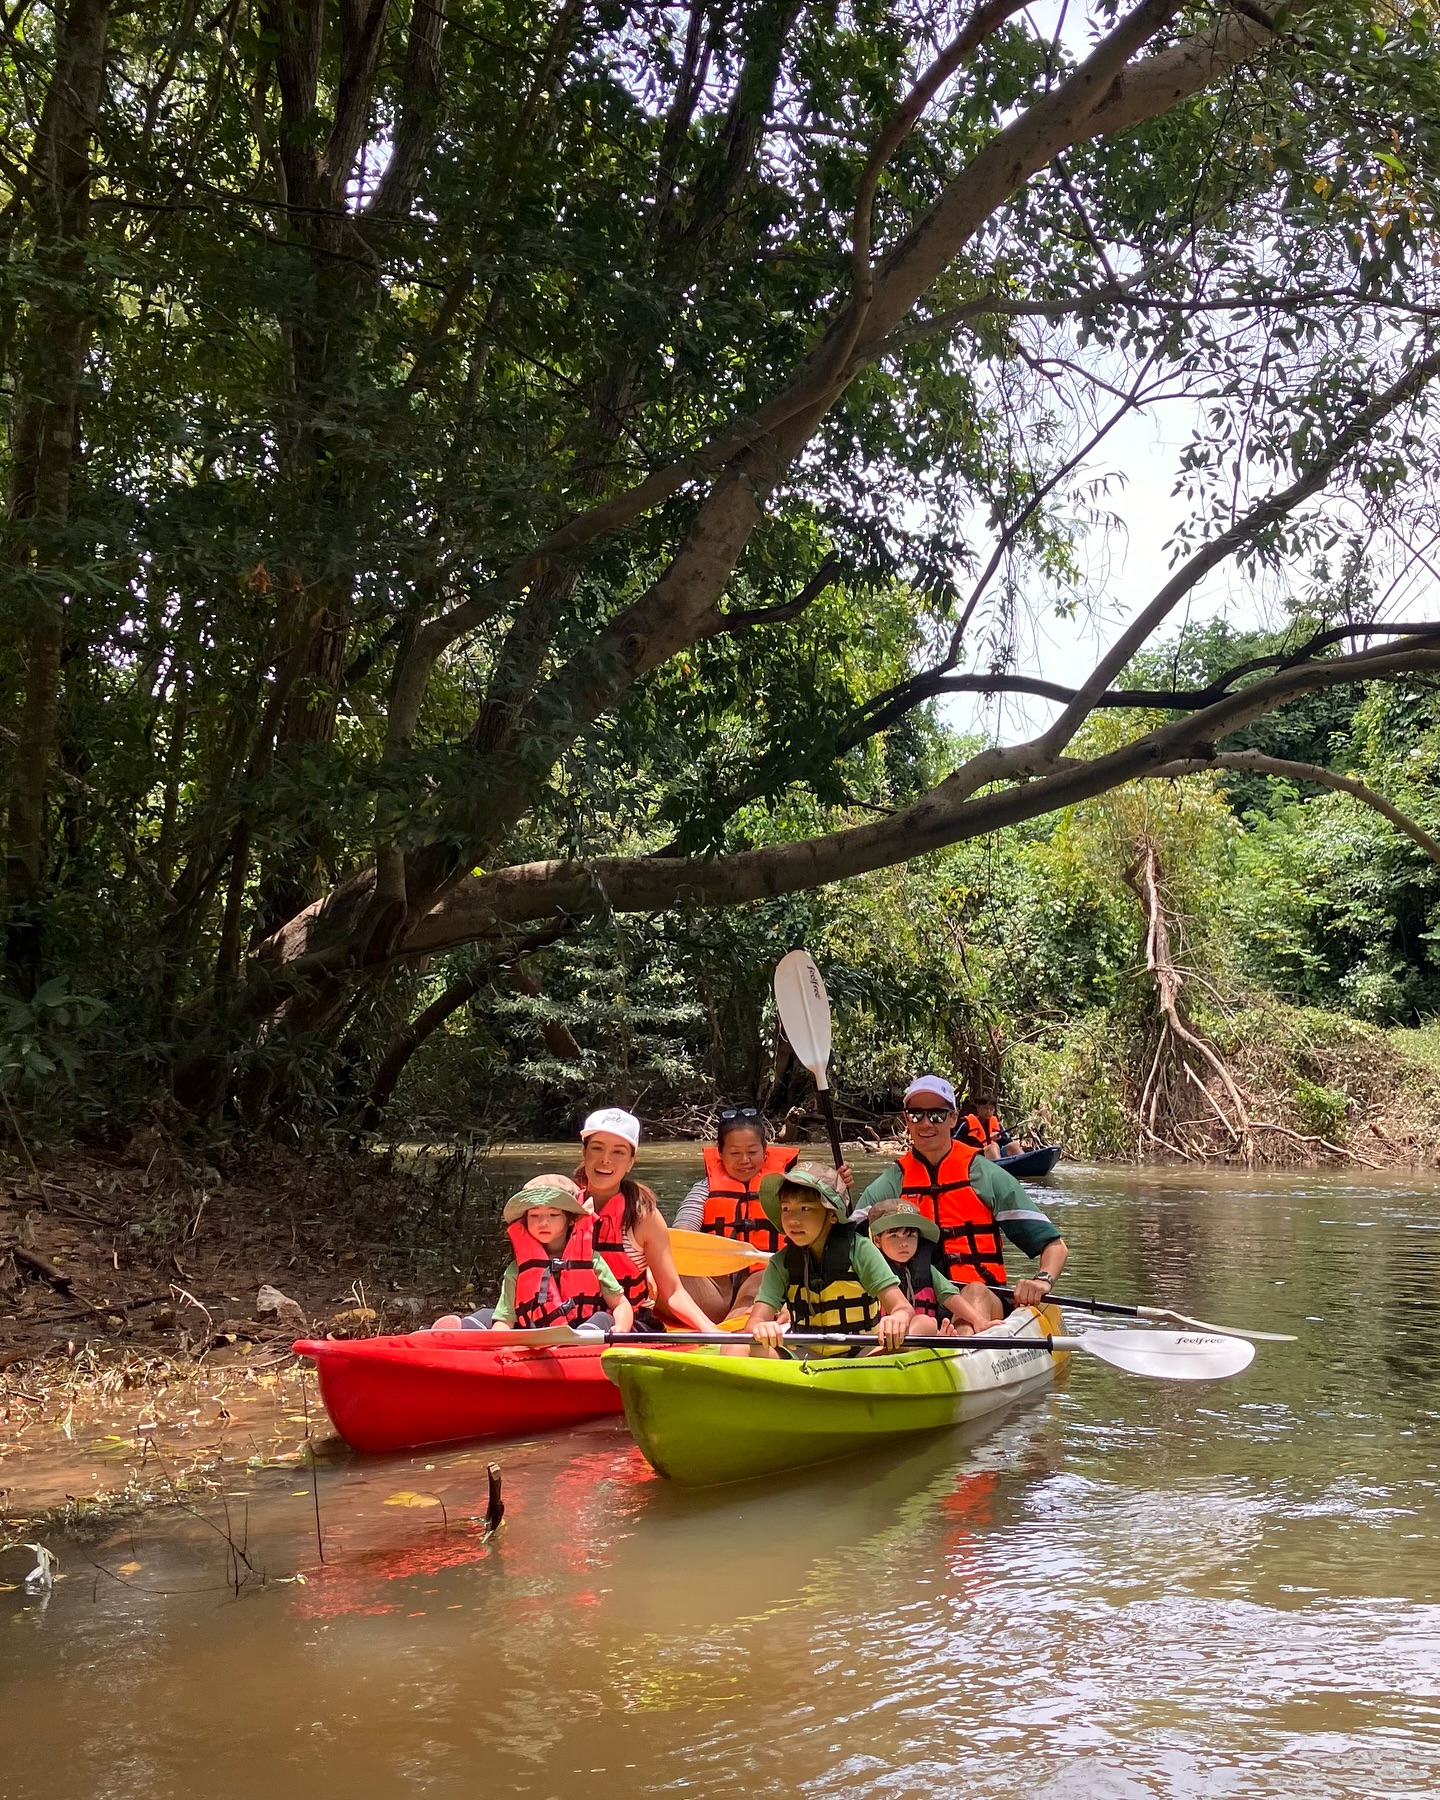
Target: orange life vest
x: 969, y: 1236
x: 610, y: 1242
x: 732, y: 1209
x: 560, y: 1290
x: 980, y: 1131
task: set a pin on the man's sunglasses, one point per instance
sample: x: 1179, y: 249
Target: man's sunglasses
x: 739, y: 1112
x: 927, y: 1115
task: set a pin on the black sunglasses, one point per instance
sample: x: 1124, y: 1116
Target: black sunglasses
x: 929, y: 1115
x: 739, y: 1112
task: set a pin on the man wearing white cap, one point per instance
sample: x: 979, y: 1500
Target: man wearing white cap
x: 972, y: 1201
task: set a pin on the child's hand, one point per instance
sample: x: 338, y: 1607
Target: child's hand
x: 768, y: 1332
x: 891, y: 1329
x: 845, y: 1176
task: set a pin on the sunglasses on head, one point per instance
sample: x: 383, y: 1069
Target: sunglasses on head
x: 927, y: 1115
x: 739, y: 1112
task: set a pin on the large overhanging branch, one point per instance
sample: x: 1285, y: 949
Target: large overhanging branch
x: 481, y: 905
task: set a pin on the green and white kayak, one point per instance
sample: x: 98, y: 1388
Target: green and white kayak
x: 703, y: 1417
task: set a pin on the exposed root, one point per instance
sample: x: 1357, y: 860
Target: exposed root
x: 1179, y: 1047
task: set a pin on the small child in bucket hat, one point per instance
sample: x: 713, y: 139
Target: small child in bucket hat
x: 904, y: 1237
x: 826, y: 1275
x: 556, y: 1276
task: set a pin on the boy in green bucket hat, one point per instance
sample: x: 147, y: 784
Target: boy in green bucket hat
x: 826, y: 1275
x: 904, y: 1236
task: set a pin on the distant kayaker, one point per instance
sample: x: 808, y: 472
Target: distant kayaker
x: 909, y: 1243
x: 827, y: 1276
x: 630, y: 1230
x: 557, y: 1276
x: 981, y: 1127
x: 972, y: 1202
x: 726, y: 1202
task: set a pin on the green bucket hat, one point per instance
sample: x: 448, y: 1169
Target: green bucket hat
x: 902, y: 1215
x: 544, y: 1190
x: 815, y: 1176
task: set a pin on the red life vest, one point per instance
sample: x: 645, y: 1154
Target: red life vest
x: 969, y: 1236
x: 610, y: 1242
x: 561, y: 1290
x: 732, y: 1209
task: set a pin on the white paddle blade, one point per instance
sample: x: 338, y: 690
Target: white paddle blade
x: 1171, y: 1355
x: 1257, y: 1337
x: 804, y: 1009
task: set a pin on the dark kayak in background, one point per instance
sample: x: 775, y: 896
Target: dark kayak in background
x: 1031, y: 1162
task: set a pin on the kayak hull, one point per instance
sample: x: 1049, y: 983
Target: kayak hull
x: 1032, y: 1162
x: 439, y: 1387
x: 703, y: 1418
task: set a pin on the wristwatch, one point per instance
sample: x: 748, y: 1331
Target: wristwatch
x: 1044, y: 1276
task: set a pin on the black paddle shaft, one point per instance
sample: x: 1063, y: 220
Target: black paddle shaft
x: 1094, y: 1306
x: 828, y: 1108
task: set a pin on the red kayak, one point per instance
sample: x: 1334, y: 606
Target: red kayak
x: 434, y: 1387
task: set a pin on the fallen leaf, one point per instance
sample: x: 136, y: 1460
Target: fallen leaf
x: 406, y: 1498
x: 130, y: 1568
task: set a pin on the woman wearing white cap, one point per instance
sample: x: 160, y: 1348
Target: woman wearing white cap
x: 630, y: 1232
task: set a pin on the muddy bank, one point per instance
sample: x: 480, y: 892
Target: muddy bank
x: 148, y: 1303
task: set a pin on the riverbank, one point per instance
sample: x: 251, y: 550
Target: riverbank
x: 148, y: 1302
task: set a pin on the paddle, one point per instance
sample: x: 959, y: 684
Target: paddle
x: 707, y: 1253
x: 1162, y: 1355
x: 1162, y: 1315
x: 804, y: 1009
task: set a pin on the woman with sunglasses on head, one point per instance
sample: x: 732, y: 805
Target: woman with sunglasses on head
x: 973, y: 1202
x: 631, y: 1235
x: 726, y: 1201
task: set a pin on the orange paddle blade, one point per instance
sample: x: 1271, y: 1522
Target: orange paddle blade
x: 704, y: 1253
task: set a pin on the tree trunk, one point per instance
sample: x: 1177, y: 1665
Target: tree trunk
x: 54, y: 340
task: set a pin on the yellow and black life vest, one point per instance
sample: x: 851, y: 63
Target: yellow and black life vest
x: 969, y: 1236
x: 732, y: 1209
x: 824, y: 1293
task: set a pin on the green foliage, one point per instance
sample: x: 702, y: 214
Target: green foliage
x: 43, y: 1036
x: 308, y: 429
x: 1322, y: 1109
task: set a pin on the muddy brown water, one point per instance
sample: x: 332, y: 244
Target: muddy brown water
x: 1121, y: 1589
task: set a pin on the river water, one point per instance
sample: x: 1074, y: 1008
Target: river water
x: 1122, y: 1588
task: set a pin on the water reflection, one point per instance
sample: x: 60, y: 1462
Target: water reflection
x: 1118, y: 1589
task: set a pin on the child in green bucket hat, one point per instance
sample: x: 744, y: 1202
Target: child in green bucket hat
x: 904, y: 1236
x: 557, y: 1276
x: 826, y: 1275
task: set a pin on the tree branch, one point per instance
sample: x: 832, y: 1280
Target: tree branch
x: 1253, y: 762
x: 419, y: 111
x: 783, y: 612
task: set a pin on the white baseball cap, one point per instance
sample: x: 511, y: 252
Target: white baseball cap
x: 613, y: 1119
x: 931, y: 1084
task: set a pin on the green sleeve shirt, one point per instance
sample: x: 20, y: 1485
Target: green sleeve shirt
x: 505, y: 1305
x: 870, y: 1269
x: 1010, y: 1200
